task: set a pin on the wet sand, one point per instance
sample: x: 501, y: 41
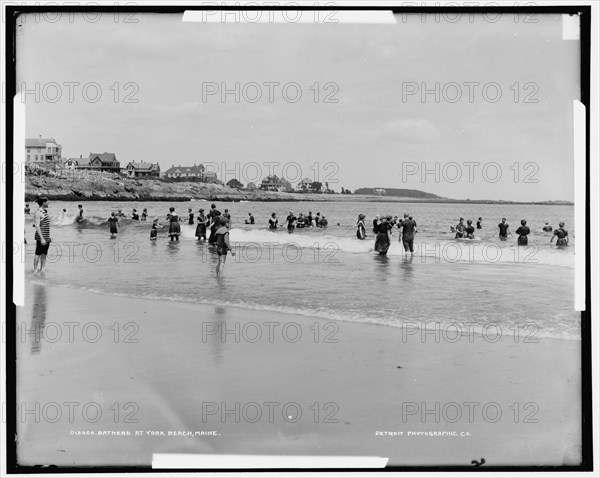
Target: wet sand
x: 288, y: 385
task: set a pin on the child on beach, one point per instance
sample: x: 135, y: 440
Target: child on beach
x: 80, y: 215
x: 154, y: 230
x: 144, y: 214
x: 223, y: 245
x: 112, y: 225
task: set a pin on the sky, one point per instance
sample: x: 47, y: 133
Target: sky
x: 498, y: 125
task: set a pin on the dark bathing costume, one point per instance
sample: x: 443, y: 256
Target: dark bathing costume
x: 201, y: 227
x: 503, y: 229
x: 561, y: 237
x: 470, y: 230
x: 213, y: 229
x: 408, y: 234
x: 273, y: 223
x: 221, y: 245
x: 360, y: 231
x: 522, y: 231
x: 112, y: 222
x: 382, y: 242
x: 290, y: 221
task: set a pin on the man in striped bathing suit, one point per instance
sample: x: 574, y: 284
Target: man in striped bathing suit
x: 41, y: 222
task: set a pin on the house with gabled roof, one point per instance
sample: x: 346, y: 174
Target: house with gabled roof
x: 305, y: 185
x: 195, y: 171
x: 142, y: 170
x: 42, y: 149
x: 101, y: 162
x: 273, y: 183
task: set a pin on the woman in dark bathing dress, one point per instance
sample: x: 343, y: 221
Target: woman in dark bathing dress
x: 174, y: 226
x: 382, y: 242
x: 562, y: 235
x: 523, y: 231
x: 201, y: 227
x: 360, y: 227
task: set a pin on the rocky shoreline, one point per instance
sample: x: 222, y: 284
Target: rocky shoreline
x: 116, y: 188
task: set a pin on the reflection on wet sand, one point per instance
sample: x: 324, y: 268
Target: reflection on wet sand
x: 38, y: 318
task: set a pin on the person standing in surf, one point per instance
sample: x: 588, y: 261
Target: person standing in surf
x: 144, y: 214
x: 223, y: 245
x: 201, y: 227
x: 382, y: 241
x: 460, y: 229
x: 562, y: 236
x: 273, y: 221
x: 504, y: 230
x: 214, y: 222
x: 134, y: 215
x: 407, y: 233
x: 155, y: 228
x: 41, y: 222
x: 113, y: 220
x: 291, y: 219
x: 470, y: 230
x: 174, y: 226
x: 547, y: 227
x: 190, y: 217
x: 361, y: 231
x: 80, y: 214
x: 376, y: 222
x: 523, y: 231
x: 479, y: 223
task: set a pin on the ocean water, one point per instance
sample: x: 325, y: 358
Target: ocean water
x: 328, y: 273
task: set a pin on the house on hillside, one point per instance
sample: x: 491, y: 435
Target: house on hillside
x: 273, y: 183
x: 101, y: 162
x: 42, y: 149
x: 304, y: 185
x: 195, y: 171
x: 71, y: 163
x: 142, y: 170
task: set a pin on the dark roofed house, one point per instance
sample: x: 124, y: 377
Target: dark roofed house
x: 101, y: 162
x: 142, y: 170
x: 273, y: 183
x: 195, y: 171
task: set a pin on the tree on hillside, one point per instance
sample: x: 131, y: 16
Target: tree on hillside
x: 316, y: 186
x: 234, y: 183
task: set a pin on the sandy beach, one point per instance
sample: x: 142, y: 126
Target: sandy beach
x: 290, y: 385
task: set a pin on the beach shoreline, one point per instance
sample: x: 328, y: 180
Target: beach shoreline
x: 353, y: 386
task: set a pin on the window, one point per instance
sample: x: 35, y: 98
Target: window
x: 36, y: 157
x: 28, y: 157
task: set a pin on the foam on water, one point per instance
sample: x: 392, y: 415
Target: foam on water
x: 415, y: 327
